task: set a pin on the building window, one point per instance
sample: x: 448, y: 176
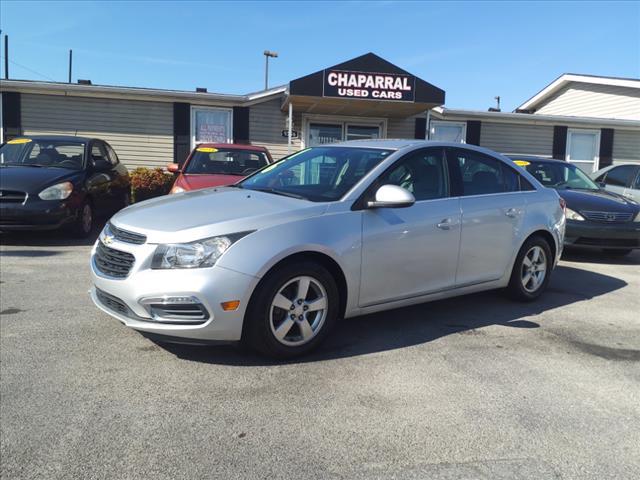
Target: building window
x: 448, y: 131
x: 583, y: 149
x: 211, y: 125
x: 323, y: 129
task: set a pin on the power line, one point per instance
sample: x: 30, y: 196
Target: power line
x: 31, y: 70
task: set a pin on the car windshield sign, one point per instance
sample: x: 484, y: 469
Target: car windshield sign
x: 559, y: 175
x: 42, y: 153
x: 320, y: 174
x: 221, y: 161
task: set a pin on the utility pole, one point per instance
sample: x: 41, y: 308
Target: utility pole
x: 6, y: 57
x: 70, y: 63
x: 268, y: 54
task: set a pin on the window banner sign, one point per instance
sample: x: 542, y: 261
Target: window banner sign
x: 370, y: 86
x: 212, y: 126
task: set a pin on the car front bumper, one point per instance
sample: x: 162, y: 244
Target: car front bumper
x: 36, y: 215
x: 586, y: 234
x: 207, y: 286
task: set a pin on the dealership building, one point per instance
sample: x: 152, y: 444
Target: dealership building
x: 589, y: 120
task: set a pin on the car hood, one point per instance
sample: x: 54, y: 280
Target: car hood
x: 597, y: 200
x: 196, y: 182
x: 33, y: 179
x: 190, y: 216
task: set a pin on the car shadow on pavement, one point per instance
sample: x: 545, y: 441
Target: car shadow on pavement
x: 53, y: 238
x: 419, y: 324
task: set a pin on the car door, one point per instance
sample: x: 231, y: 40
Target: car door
x: 412, y: 251
x: 619, y: 178
x: 100, y: 177
x: 633, y: 192
x: 120, y: 183
x: 492, y: 214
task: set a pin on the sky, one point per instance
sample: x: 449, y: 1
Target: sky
x: 472, y: 50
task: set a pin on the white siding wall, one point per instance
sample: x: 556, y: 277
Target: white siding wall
x: 517, y: 139
x: 266, y: 122
x: 626, y: 146
x: 141, y: 133
x: 402, y: 127
x: 588, y: 100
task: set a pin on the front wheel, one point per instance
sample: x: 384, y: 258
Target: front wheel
x: 292, y: 310
x: 531, y: 270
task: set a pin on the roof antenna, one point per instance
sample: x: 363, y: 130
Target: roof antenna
x: 497, y: 107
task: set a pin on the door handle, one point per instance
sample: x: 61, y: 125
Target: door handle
x: 512, y: 212
x: 445, y: 224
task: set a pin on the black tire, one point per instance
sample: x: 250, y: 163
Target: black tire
x: 257, y: 331
x: 516, y: 288
x: 617, y: 253
x: 81, y: 228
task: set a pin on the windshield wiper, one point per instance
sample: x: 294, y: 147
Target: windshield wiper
x: 279, y: 192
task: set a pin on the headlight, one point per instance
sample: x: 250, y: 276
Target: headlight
x: 571, y: 215
x: 176, y: 189
x: 203, y: 253
x: 59, y: 191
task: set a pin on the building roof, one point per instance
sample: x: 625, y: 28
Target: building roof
x: 138, y: 93
x: 566, y: 78
x: 533, y: 119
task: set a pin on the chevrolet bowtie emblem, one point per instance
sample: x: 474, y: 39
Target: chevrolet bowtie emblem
x: 108, y: 239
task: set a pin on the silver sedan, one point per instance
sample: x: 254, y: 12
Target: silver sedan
x: 330, y: 232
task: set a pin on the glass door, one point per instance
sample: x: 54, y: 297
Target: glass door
x: 321, y: 133
x: 362, y: 132
x: 583, y: 148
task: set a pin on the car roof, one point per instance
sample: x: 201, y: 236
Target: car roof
x: 232, y: 146
x: 400, y: 143
x: 64, y: 138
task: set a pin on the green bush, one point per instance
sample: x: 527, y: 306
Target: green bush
x: 149, y: 182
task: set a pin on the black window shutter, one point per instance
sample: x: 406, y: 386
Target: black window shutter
x: 559, y: 143
x: 420, y: 131
x: 473, y: 132
x: 241, y: 125
x: 11, y: 117
x: 181, y: 132
x: 606, y: 147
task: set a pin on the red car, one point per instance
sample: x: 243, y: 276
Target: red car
x: 217, y: 164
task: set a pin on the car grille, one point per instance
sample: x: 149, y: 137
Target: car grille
x: 113, y: 303
x: 127, y: 236
x: 12, y: 196
x: 607, y: 217
x: 111, y: 262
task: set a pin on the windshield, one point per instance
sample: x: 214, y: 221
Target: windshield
x: 319, y: 174
x: 559, y: 175
x: 221, y: 161
x: 42, y: 153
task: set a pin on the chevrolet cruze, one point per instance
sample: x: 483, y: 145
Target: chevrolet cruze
x: 330, y: 232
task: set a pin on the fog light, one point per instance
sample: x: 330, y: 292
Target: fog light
x: 231, y: 305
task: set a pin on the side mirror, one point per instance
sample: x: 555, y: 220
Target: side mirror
x: 173, y: 168
x: 392, y: 196
x: 601, y: 184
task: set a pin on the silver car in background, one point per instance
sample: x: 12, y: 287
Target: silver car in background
x: 330, y: 232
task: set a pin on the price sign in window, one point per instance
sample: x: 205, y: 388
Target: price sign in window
x: 211, y: 125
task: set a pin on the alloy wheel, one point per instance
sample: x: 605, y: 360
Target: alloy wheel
x: 534, y: 269
x: 298, y: 311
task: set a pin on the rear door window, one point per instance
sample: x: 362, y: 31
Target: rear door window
x: 620, y: 176
x: 481, y: 174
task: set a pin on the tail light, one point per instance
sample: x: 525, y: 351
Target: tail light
x: 563, y: 204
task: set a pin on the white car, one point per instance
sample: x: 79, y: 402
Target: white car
x: 621, y: 179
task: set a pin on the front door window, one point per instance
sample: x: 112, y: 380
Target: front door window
x: 582, y: 149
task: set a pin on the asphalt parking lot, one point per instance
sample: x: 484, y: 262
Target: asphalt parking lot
x: 476, y: 387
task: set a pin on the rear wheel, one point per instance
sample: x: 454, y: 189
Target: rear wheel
x: 84, y: 223
x: 292, y: 310
x: 531, y: 270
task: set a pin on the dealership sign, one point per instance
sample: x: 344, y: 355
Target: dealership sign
x: 370, y: 86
